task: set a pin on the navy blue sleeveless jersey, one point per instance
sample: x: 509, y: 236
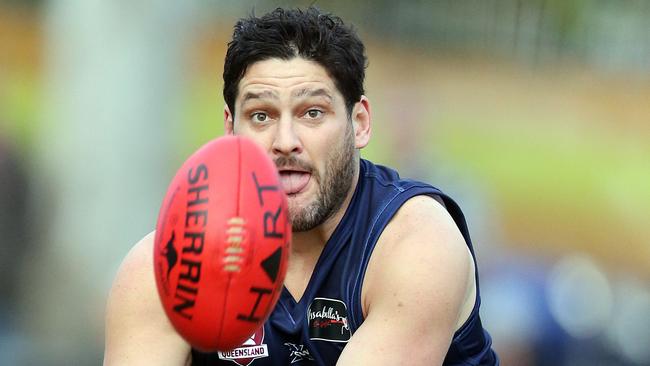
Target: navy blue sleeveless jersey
x: 314, y: 330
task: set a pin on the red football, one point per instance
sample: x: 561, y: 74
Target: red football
x: 222, y: 244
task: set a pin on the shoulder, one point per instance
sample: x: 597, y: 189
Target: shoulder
x: 423, y: 221
x: 422, y: 251
x: 135, y: 276
x: 417, y: 284
x: 137, y: 263
x: 419, y: 209
x: 137, y: 329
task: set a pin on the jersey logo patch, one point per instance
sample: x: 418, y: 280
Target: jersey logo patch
x: 298, y: 352
x: 249, y: 351
x: 327, y: 320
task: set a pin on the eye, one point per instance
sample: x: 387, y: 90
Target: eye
x: 259, y: 117
x: 314, y: 113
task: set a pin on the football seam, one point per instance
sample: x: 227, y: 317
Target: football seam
x: 239, y: 182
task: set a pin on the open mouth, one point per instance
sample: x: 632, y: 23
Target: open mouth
x: 294, y: 181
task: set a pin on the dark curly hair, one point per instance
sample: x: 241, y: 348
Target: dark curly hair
x: 285, y: 34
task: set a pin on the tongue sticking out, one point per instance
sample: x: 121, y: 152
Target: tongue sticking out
x: 294, y: 182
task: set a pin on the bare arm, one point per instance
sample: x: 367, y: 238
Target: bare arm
x: 137, y: 329
x: 418, y: 290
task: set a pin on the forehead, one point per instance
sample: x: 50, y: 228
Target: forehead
x: 280, y: 76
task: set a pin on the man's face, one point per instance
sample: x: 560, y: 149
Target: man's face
x: 293, y: 109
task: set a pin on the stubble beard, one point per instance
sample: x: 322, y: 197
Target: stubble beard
x: 333, y: 187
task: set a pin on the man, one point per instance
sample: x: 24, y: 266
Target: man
x: 381, y: 269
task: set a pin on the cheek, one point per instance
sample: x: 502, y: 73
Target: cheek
x: 262, y: 138
x: 325, y: 150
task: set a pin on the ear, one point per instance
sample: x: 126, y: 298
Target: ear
x: 361, y: 122
x: 228, y: 123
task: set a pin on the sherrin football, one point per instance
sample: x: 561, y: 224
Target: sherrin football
x: 222, y: 244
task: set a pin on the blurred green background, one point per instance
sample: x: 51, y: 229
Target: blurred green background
x: 534, y: 115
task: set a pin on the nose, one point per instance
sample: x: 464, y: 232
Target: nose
x: 286, y: 141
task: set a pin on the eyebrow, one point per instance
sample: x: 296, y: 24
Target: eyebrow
x: 306, y: 92
x: 267, y: 94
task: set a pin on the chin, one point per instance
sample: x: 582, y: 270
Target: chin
x: 299, y: 213
x: 296, y: 209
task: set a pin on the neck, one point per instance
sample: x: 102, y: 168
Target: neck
x: 315, y: 239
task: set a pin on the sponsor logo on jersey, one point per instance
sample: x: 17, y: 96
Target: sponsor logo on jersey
x: 298, y: 352
x: 328, y: 320
x: 249, y: 351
